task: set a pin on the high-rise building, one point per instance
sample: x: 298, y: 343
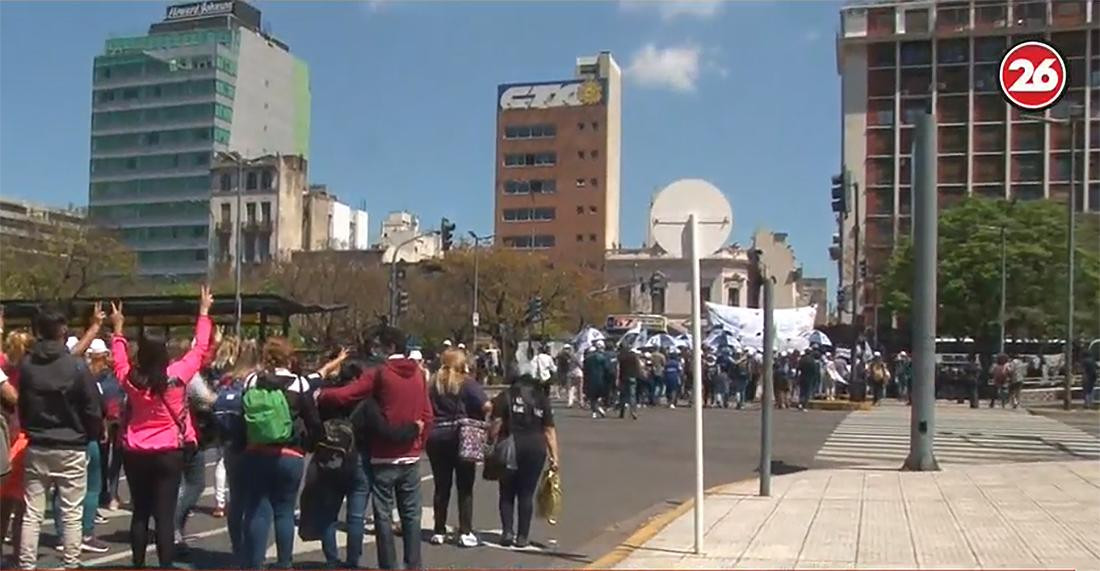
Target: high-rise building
x: 898, y: 58
x: 206, y: 79
x: 558, y: 160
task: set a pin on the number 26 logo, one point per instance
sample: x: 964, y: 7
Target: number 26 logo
x: 1032, y: 75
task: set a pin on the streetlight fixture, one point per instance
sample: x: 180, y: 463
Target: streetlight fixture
x: 1075, y: 115
x: 475, y: 317
x: 236, y: 158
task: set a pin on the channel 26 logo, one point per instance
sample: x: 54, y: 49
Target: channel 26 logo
x: 1033, y: 75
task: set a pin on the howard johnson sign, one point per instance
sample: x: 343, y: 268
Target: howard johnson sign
x: 199, y: 10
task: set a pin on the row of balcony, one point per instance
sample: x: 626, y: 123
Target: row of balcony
x: 226, y: 226
x: 962, y: 16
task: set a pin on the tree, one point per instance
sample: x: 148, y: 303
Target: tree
x: 969, y: 271
x: 62, y: 262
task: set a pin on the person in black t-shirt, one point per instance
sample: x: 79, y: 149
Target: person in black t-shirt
x: 523, y: 412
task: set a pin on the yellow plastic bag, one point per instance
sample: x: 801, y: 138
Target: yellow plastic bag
x: 549, y: 496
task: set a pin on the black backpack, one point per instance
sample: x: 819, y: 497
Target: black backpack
x: 337, y: 443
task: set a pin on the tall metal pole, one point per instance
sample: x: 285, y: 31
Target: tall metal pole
x: 697, y: 374
x: 1066, y: 401
x: 240, y: 186
x: 922, y: 427
x: 769, y: 389
x: 855, y: 286
x: 1004, y: 288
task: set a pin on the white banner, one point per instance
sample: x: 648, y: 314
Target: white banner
x: 792, y: 326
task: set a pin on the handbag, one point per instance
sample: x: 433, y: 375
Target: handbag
x: 501, y: 459
x: 472, y: 436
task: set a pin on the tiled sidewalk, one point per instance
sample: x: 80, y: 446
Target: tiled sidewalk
x: 1022, y: 515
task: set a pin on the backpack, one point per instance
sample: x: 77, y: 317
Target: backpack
x: 229, y: 414
x: 336, y: 444
x: 267, y: 416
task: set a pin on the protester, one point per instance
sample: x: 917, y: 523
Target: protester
x: 60, y: 412
x: 1088, y: 370
x: 808, y: 372
x: 598, y: 378
x: 200, y: 402
x: 878, y: 374
x: 543, y: 369
x: 229, y: 415
x: 158, y: 434
x: 401, y: 391
x: 903, y: 375
x: 574, y: 379
x: 456, y: 401
x: 524, y: 414
x: 673, y: 375
x: 1001, y: 374
x: 282, y: 426
x: 630, y: 368
x: 12, y: 506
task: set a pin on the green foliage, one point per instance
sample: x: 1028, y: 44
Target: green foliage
x: 969, y: 271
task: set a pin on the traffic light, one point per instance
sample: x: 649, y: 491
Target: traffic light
x: 863, y: 269
x: 841, y: 183
x: 658, y: 282
x: 402, y: 302
x: 534, y: 310
x: 841, y: 296
x: 446, y: 234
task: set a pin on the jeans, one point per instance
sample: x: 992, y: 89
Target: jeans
x: 878, y: 391
x: 110, y: 461
x: 44, y: 469
x: 154, y: 481
x: 271, y: 496
x: 95, y: 484
x: 518, y: 487
x: 354, y: 484
x: 448, y: 468
x: 397, y: 485
x: 1089, y: 387
x: 238, y: 482
x: 596, y: 397
x: 739, y: 387
x: 191, y: 487
x: 628, y: 396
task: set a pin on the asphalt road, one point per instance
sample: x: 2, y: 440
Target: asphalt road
x: 616, y: 474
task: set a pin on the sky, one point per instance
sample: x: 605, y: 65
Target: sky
x: 742, y: 94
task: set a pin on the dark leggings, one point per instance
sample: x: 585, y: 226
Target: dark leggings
x: 521, y: 485
x: 448, y: 467
x: 154, y: 480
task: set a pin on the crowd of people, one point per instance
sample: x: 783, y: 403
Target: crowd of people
x: 80, y: 413
x: 628, y: 378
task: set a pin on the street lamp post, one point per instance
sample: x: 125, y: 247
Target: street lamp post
x: 1003, y: 316
x: 1074, y: 116
x: 393, y: 273
x: 240, y: 161
x: 474, y: 316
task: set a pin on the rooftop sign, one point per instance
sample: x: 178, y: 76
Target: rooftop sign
x: 199, y: 10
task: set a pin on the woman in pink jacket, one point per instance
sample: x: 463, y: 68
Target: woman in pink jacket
x: 158, y: 432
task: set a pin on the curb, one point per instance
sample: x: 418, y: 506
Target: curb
x: 651, y: 528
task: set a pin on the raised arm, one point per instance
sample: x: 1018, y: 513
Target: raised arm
x: 352, y: 392
x: 93, y: 330
x: 119, y: 354
x: 191, y: 362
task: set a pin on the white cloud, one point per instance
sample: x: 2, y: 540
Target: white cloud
x: 676, y: 68
x: 672, y: 9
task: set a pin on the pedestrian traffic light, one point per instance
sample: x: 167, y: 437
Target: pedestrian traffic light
x: 446, y: 234
x: 657, y: 282
x: 402, y: 302
x: 534, y: 310
x: 841, y: 183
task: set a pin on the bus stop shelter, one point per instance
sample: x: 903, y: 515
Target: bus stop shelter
x: 168, y: 311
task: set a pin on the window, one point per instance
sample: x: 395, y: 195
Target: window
x: 1027, y: 137
x: 952, y: 109
x: 591, y: 237
x: 152, y: 139
x: 580, y: 126
x: 250, y: 212
x: 265, y: 211
x: 580, y: 182
x: 880, y: 112
x: 955, y: 79
x: 580, y: 154
x: 592, y: 181
x: 916, y: 81
x: 704, y: 293
x: 989, y: 49
x: 201, y: 159
x: 250, y: 183
x: 548, y: 186
x: 989, y: 138
x: 528, y: 242
x: 985, y: 78
x: 880, y: 82
x: 989, y: 168
x: 530, y: 159
x: 580, y: 237
x: 916, y: 21
x: 226, y: 213
x: 992, y: 15
x: 952, y: 17
x: 733, y: 296
x: 529, y: 131
x: 130, y: 93
x: 526, y: 214
x: 249, y: 249
x: 1030, y: 13
x: 916, y: 53
x: 592, y: 210
x: 580, y: 210
x: 1027, y: 168
x: 266, y: 179
x: 989, y: 108
x: 264, y: 248
x: 952, y: 139
x: 226, y: 182
x: 953, y: 51
x: 595, y: 153
x: 131, y: 164
x: 1059, y: 167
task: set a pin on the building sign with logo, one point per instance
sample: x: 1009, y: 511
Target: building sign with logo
x: 571, y: 93
x: 199, y: 10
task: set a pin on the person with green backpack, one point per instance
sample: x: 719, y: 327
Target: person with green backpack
x: 281, y: 425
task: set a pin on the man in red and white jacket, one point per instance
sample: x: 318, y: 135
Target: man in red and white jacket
x: 401, y: 390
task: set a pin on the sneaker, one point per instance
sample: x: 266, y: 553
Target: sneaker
x: 218, y: 513
x: 603, y: 413
x: 672, y: 406
x: 521, y: 543
x: 94, y: 545
x: 595, y: 415
x: 468, y: 540
x: 99, y: 519
x: 437, y: 539
x: 506, y: 540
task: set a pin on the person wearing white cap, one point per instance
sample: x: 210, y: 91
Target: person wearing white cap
x: 446, y: 342
x: 903, y: 374
x: 879, y: 375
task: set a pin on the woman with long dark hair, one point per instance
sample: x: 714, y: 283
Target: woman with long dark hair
x: 456, y: 399
x: 158, y: 433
